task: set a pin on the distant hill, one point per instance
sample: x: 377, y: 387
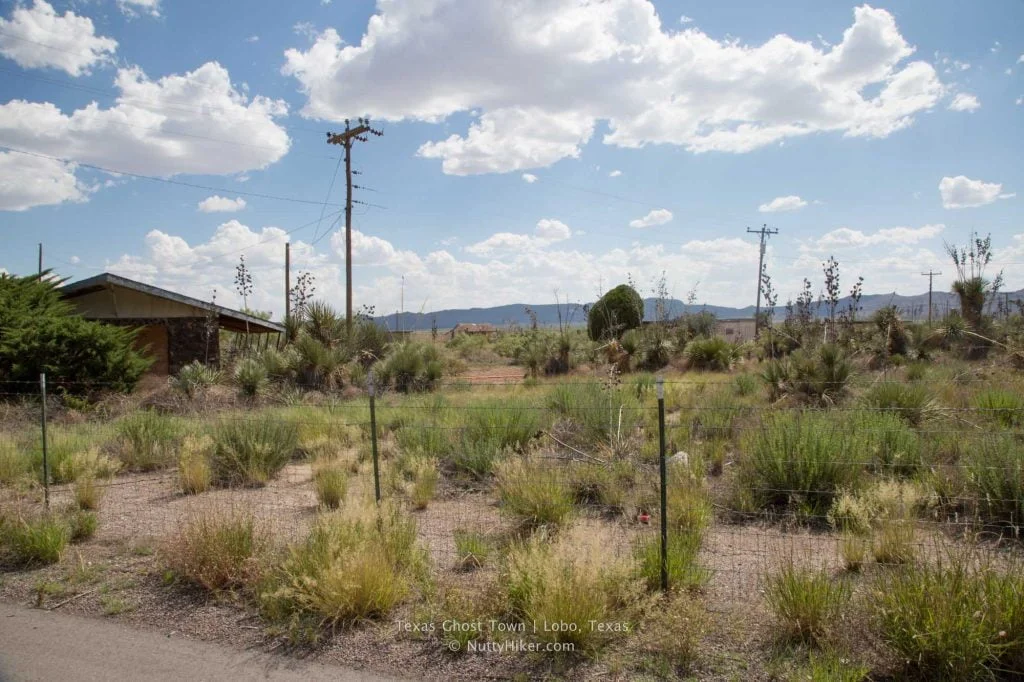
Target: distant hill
x: 912, y: 307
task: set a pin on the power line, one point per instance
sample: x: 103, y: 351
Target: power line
x: 181, y: 183
x: 330, y: 189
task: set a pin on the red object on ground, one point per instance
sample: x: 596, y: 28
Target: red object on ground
x: 645, y: 518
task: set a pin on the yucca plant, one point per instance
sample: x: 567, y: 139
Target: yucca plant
x: 251, y: 378
x: 194, y: 378
x: 713, y: 353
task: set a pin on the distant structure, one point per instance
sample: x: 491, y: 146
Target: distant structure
x: 473, y: 329
x: 175, y: 329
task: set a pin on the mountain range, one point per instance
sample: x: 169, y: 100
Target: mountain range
x: 911, y: 307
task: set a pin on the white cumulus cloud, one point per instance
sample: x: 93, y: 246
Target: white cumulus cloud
x: 541, y: 75
x: 133, y: 8
x: 778, y: 204
x: 28, y: 181
x: 219, y: 204
x: 845, y: 237
x: 962, y: 192
x: 197, y: 123
x: 547, y: 232
x: 37, y: 37
x: 615, y: 174
x: 658, y: 216
x: 529, y: 178
x: 965, y: 102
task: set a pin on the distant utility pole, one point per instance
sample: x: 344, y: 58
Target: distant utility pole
x: 40, y: 260
x: 287, y: 281
x: 346, y: 139
x: 403, y: 301
x: 931, y: 276
x: 765, y: 232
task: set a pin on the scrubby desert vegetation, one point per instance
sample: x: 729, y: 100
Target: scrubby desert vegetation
x: 844, y: 501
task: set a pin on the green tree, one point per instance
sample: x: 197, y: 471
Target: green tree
x: 618, y: 311
x: 40, y: 332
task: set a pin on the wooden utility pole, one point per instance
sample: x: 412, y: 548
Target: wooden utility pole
x: 345, y: 139
x: 287, y: 282
x: 931, y: 276
x: 40, y: 260
x: 765, y: 232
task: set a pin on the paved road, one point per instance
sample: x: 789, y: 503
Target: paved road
x: 38, y: 645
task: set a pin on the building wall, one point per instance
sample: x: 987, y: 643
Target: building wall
x: 176, y: 341
x: 735, y: 330
x: 121, y: 303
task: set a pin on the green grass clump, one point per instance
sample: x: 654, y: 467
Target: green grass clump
x: 330, y: 481
x: 88, y: 493
x: 891, y: 446
x: 217, y: 549
x: 15, y: 465
x: 34, y: 541
x: 82, y: 525
x: 425, y: 475
x: 492, y: 428
x: 353, y: 565
x: 574, y: 582
x: 194, y: 378
x: 600, y: 415
x: 683, y: 570
x: 805, y: 603
x: 536, y: 492
x: 194, y: 473
x: 798, y: 459
x: 1002, y: 407
x: 956, y: 619
x: 472, y: 549
x: 995, y: 468
x: 911, y: 402
x: 148, y: 441
x: 249, y: 452
x: 745, y: 385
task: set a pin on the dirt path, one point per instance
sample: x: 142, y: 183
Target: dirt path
x: 38, y: 645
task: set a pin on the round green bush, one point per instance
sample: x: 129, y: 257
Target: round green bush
x: 618, y: 311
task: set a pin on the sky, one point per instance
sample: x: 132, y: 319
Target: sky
x: 532, y: 150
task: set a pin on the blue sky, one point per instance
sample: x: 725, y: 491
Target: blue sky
x: 529, y: 147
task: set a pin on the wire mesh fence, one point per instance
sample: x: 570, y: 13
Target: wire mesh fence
x: 717, y: 489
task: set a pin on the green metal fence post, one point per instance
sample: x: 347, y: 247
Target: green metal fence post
x: 46, y: 462
x: 664, y: 483
x: 373, y: 434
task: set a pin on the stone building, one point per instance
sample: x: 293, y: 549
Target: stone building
x: 175, y: 329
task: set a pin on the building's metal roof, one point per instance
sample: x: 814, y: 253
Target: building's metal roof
x: 229, y: 319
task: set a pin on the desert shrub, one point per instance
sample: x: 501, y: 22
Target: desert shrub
x: 424, y: 482
x: 954, y: 619
x: 369, y: 340
x: 194, y: 472
x: 249, y: 452
x: 684, y: 572
x: 82, y: 525
x: 605, y: 485
x: 670, y: 636
x: 574, y: 581
x: 534, y: 491
x: 218, y: 549
x: 15, y: 465
x: 194, y: 378
x: 887, y: 511
x: 472, y: 549
x: 1003, y: 407
x: 40, y: 332
x: 744, y: 385
x: 34, y: 541
x: 995, y: 468
x: 618, y: 311
x: 911, y: 402
x: 250, y: 377
x: 69, y: 454
x: 805, y: 603
x: 147, y: 441
x: 88, y: 493
x: 317, y: 364
x: 821, y: 375
x: 330, y: 481
x: 412, y: 366
x: 278, y: 364
x: 917, y: 371
x: 355, y: 564
x: 891, y: 330
x: 715, y: 417
x: 714, y: 353
x: 600, y: 415
x: 799, y: 459
x: 777, y: 375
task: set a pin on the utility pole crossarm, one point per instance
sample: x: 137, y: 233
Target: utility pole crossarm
x: 345, y: 139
